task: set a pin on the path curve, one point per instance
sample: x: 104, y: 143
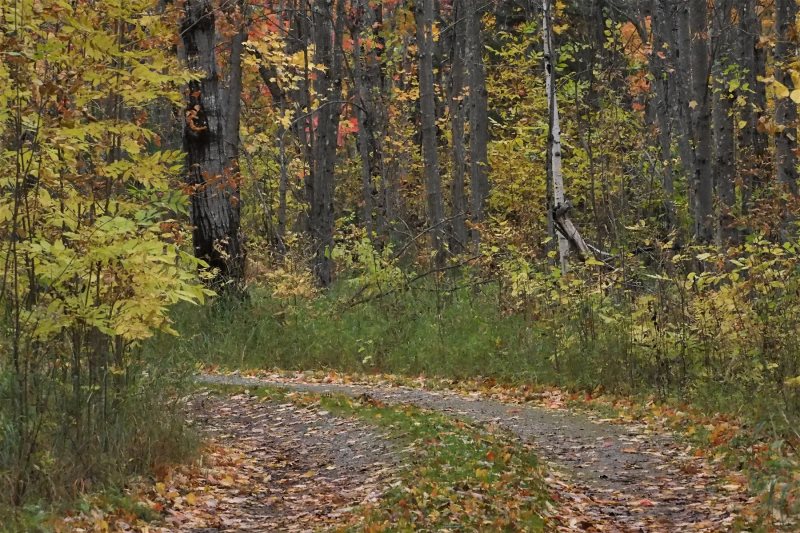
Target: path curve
x: 282, y: 467
x: 621, y: 477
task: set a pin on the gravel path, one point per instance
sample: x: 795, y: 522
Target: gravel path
x: 614, y: 477
x: 282, y: 467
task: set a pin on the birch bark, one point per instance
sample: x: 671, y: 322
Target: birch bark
x: 566, y: 232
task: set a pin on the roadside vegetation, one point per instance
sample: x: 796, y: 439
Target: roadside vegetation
x: 597, y: 196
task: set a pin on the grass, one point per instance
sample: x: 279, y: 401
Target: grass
x: 147, y: 433
x: 458, y: 335
x: 399, y: 334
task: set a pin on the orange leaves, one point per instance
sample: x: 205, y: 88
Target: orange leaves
x: 191, y: 120
x: 347, y: 127
x: 721, y: 433
x: 266, y: 26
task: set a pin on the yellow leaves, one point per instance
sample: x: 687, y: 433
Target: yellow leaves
x: 100, y: 258
x: 482, y: 474
x: 100, y: 525
x: 558, y: 29
x: 793, y: 382
x: 781, y: 91
x: 795, y: 75
x: 285, y: 120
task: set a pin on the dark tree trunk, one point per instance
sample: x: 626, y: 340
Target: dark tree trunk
x: 659, y: 70
x: 365, y: 146
x: 724, y: 152
x: 682, y: 80
x: 458, y: 121
x: 424, y: 11
x: 328, y: 29
x: 753, y: 145
x: 367, y: 86
x: 785, y: 108
x: 703, y: 182
x: 478, y: 114
x: 211, y: 142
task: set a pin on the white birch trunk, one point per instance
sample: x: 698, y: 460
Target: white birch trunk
x: 555, y: 134
x: 566, y: 231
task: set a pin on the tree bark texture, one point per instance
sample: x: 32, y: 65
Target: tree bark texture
x: 785, y: 108
x: 371, y: 124
x: 724, y: 143
x: 328, y: 29
x: 211, y: 142
x: 566, y: 231
x: 681, y: 47
x: 753, y: 144
x: 662, y: 95
x: 424, y: 11
x: 458, y: 122
x: 703, y: 180
x: 478, y: 113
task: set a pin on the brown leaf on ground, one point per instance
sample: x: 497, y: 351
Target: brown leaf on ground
x: 614, y: 476
x: 275, y: 468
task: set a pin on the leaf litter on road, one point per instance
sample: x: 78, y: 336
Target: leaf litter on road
x: 274, y: 466
x: 607, y: 477
x: 277, y: 467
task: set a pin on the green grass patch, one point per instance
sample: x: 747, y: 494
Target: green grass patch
x: 454, y: 476
x: 455, y: 335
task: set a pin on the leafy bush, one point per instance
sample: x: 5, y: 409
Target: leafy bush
x: 92, y: 256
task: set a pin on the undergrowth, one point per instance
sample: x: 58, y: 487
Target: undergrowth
x: 457, y: 335
x: 147, y: 432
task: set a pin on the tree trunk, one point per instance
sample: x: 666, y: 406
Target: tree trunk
x: 478, y: 114
x: 367, y: 87
x: 785, y: 108
x: 424, y: 11
x: 658, y: 69
x: 725, y: 152
x: 211, y: 142
x: 566, y: 232
x: 703, y: 182
x: 365, y: 149
x: 681, y: 47
x: 458, y: 121
x: 328, y: 88
x: 753, y: 145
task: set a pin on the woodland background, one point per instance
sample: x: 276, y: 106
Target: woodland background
x: 598, y: 194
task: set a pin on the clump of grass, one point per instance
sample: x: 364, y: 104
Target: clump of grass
x: 404, y: 334
x: 145, y: 433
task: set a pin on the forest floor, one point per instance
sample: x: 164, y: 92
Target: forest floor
x: 604, y: 476
x: 308, y: 452
x: 278, y: 466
